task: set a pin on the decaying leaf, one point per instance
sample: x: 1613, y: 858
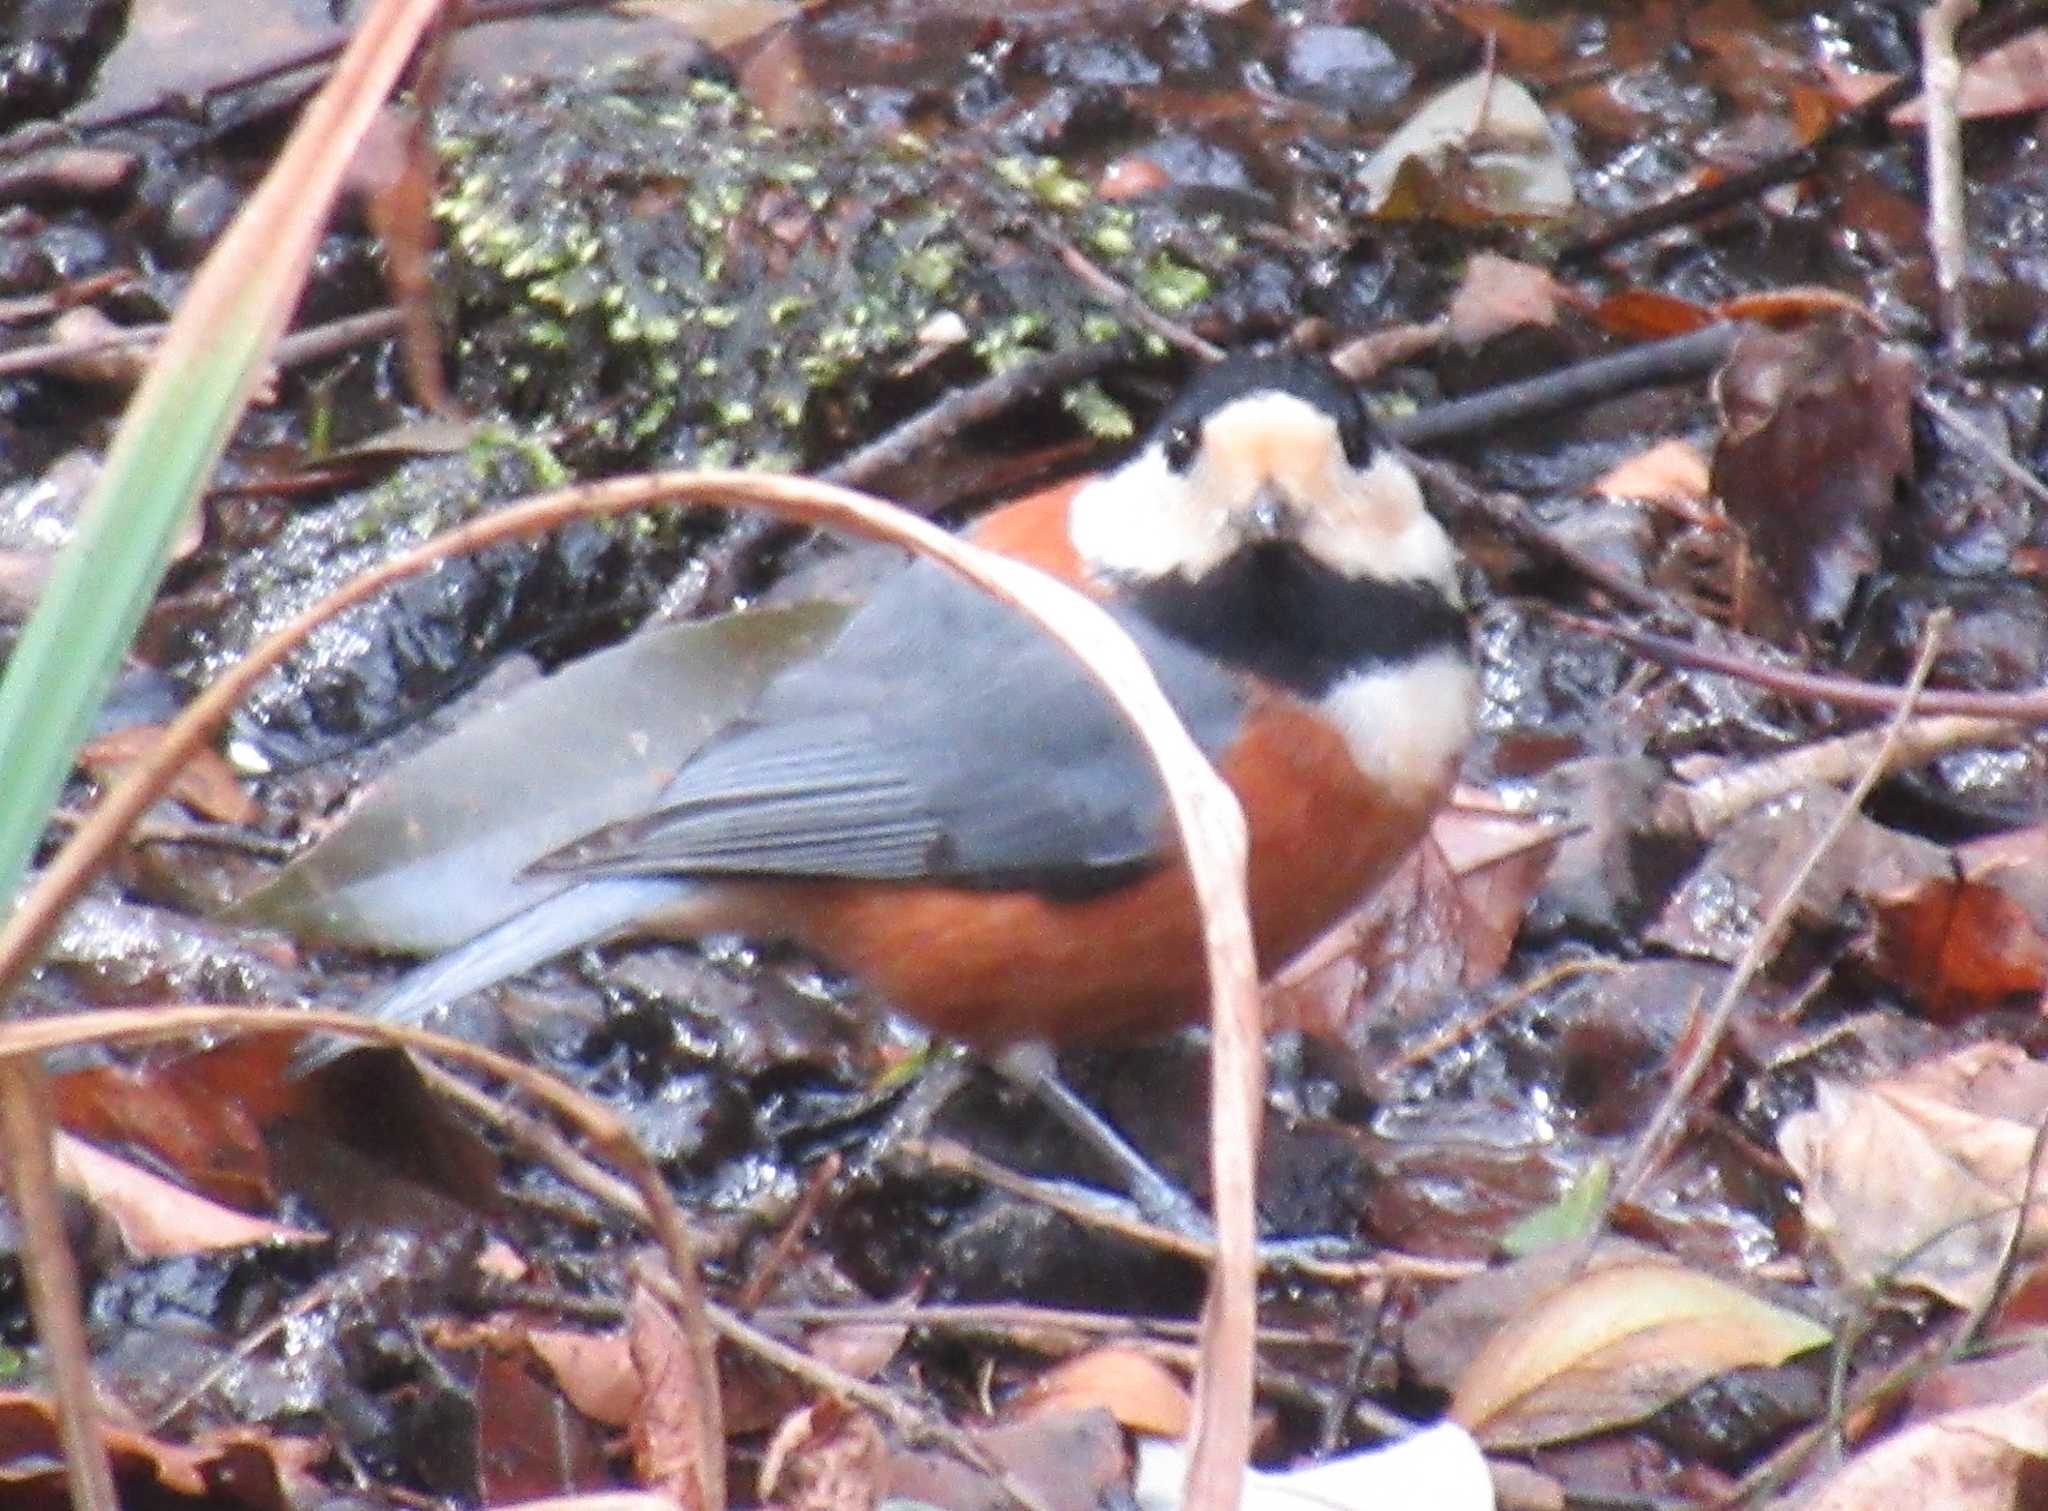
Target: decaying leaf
x: 1672, y: 473
x: 1983, y: 1459
x: 1447, y: 918
x: 1140, y: 1392
x: 594, y: 1370
x: 1960, y: 945
x: 827, y: 1457
x: 1615, y: 1345
x: 1480, y: 149
x: 1067, y: 1458
x: 1816, y: 436
x: 667, y: 1429
x: 264, y: 1471
x: 1498, y: 294
x: 158, y: 1220
x: 2010, y: 79
x: 1915, y: 1180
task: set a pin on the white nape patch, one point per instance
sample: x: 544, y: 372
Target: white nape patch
x: 1145, y: 520
x: 1407, y: 725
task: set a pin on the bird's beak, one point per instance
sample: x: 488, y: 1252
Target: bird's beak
x: 1270, y: 517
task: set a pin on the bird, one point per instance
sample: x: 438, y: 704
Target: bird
x: 942, y: 805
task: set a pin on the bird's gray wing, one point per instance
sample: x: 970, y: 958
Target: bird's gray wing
x: 942, y: 737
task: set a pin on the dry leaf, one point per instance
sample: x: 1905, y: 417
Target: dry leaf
x: 1140, y: 1392
x: 1672, y: 472
x: 264, y: 1472
x: 1446, y: 918
x: 594, y: 1370
x: 1976, y: 1460
x: 1960, y: 946
x: 1614, y: 1346
x: 2010, y: 79
x: 1651, y: 314
x: 1497, y: 295
x: 827, y: 1457
x: 158, y: 1220
x: 1067, y: 1458
x: 206, y: 783
x: 1816, y: 436
x: 667, y: 1425
x: 1480, y: 149
x: 1915, y: 1179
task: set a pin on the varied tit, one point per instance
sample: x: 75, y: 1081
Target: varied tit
x: 944, y: 805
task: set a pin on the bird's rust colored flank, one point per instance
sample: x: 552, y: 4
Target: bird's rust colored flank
x: 996, y: 968
x: 1034, y: 529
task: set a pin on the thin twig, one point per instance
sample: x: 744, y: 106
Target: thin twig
x: 1814, y: 687
x: 1670, y: 1113
x: 1678, y: 359
x: 952, y: 1158
x: 1947, y: 226
x: 1709, y: 803
x: 973, y: 405
x: 51, y: 1273
x: 1124, y: 299
x: 295, y: 350
x: 1998, y: 458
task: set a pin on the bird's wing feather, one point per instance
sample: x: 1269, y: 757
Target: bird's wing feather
x: 941, y: 737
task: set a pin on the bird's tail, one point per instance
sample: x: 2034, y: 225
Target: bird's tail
x: 583, y: 914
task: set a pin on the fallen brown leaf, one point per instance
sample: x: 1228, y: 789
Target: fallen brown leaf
x: 1976, y: 1460
x: 1816, y: 436
x: 1672, y: 472
x: 1497, y: 295
x: 1915, y: 1179
x: 667, y: 1426
x: 594, y: 1370
x: 206, y: 783
x: 1140, y: 1392
x: 1614, y: 1346
x: 158, y: 1220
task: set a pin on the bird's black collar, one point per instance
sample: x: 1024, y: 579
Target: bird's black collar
x: 1283, y: 615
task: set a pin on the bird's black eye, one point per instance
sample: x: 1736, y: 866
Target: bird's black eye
x: 1179, y: 443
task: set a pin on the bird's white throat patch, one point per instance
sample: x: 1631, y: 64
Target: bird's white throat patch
x: 1407, y: 725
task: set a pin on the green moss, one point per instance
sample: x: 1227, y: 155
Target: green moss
x: 646, y: 265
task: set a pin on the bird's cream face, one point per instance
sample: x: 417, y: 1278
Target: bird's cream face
x: 1267, y: 466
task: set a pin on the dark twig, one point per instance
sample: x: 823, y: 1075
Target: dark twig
x: 1850, y: 127
x: 295, y: 350
x: 1676, y: 360
x: 1460, y: 501
x: 2020, y: 708
x: 1125, y: 300
x: 973, y: 405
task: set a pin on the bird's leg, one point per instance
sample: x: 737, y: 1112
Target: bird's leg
x: 1033, y: 1067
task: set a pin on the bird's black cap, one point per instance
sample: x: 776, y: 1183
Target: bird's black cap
x: 1310, y: 379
